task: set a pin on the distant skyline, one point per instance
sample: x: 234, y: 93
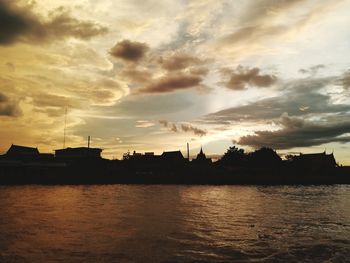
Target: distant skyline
x: 154, y: 75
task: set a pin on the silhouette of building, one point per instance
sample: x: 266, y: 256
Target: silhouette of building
x: 78, y: 153
x: 24, y: 153
x: 201, y: 159
x: 173, y: 157
x: 315, y: 161
x: 18, y: 150
x: 147, y: 157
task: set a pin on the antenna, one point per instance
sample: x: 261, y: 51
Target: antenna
x: 64, y: 130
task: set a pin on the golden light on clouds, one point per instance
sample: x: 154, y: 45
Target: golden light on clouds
x: 218, y: 71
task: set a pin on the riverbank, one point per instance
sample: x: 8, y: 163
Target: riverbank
x: 100, y: 174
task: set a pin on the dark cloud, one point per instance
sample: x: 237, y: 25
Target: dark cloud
x: 21, y: 24
x: 184, y: 127
x: 306, y: 116
x: 8, y: 107
x: 129, y: 51
x: 300, y: 97
x: 291, y: 122
x: 199, y: 71
x: 172, y: 83
x: 345, y: 80
x: 312, y: 70
x: 173, y: 127
x: 195, y: 130
x: 178, y: 62
x: 166, y: 124
x: 12, y: 22
x: 242, y: 77
x: 296, y: 132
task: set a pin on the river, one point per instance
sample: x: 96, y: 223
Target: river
x: 157, y: 223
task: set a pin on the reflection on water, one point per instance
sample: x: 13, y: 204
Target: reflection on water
x: 121, y: 223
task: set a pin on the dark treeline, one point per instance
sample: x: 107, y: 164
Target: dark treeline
x: 264, y: 157
x: 84, y: 165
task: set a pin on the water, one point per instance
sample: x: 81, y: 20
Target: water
x: 121, y: 223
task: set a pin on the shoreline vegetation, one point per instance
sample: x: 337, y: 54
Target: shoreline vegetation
x: 74, y: 166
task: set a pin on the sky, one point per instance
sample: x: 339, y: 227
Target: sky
x: 153, y: 75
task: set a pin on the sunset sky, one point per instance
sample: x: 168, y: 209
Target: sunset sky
x: 152, y: 75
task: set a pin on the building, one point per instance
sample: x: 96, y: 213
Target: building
x: 173, y: 157
x: 201, y: 159
x: 78, y: 153
x: 25, y: 153
x: 315, y: 161
x: 18, y: 150
x: 137, y: 160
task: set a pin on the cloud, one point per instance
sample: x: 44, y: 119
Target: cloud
x: 291, y: 122
x: 257, y: 12
x: 53, y: 100
x: 171, y: 83
x: 173, y: 127
x: 144, y: 124
x: 184, y: 127
x: 195, y: 130
x: 129, y: 51
x: 304, y: 112
x: 62, y: 25
x: 261, y: 24
x: 8, y: 107
x: 155, y: 106
x: 157, y: 71
x: 21, y: 24
x: 298, y: 98
x: 199, y: 71
x: 12, y: 22
x: 297, y: 132
x: 242, y: 77
x: 345, y: 80
x: 136, y: 75
x: 178, y: 62
x: 11, y: 67
x: 164, y: 123
x: 252, y: 33
x: 312, y: 70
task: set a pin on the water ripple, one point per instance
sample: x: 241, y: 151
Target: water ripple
x: 123, y: 223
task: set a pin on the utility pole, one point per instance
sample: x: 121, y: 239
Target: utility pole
x: 64, y: 130
x: 188, y: 151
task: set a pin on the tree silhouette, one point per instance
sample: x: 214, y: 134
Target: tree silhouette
x: 265, y: 157
x: 234, y: 157
x: 126, y: 156
x: 290, y: 157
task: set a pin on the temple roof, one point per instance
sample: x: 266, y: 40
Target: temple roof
x: 18, y: 149
x: 172, y: 155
